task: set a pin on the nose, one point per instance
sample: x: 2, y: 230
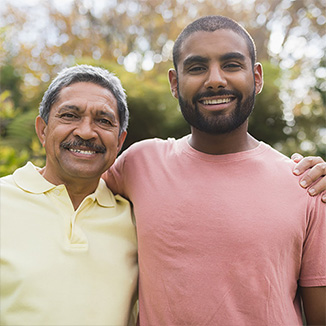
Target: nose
x: 215, y: 78
x: 85, y: 129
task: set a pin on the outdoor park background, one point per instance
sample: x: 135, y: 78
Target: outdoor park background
x: 134, y: 39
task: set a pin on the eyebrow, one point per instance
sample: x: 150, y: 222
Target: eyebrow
x: 69, y: 107
x: 233, y: 55
x: 194, y: 59
x: 227, y: 56
x: 98, y: 113
x: 106, y: 114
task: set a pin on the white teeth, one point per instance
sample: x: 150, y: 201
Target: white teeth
x: 217, y: 101
x: 81, y: 151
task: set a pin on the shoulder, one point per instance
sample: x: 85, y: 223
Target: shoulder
x: 6, y: 182
x: 273, y: 158
x: 153, y: 143
x: 11, y: 194
x: 275, y: 169
x: 146, y: 149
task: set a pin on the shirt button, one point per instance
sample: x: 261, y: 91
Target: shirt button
x: 57, y: 192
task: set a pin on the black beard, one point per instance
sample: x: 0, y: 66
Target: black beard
x: 217, y: 123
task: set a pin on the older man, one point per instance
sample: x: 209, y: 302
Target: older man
x: 68, y: 246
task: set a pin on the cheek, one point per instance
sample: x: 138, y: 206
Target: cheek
x: 111, y: 141
x: 248, y: 84
x: 51, y: 145
x: 61, y: 131
x: 188, y: 88
x: 54, y: 137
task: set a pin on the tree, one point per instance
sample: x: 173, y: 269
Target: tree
x: 134, y: 38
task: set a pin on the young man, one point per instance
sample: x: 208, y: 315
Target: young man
x: 225, y: 234
x: 68, y: 246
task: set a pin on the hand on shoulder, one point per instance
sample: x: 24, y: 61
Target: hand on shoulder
x: 315, y: 179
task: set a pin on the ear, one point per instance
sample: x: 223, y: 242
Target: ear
x: 173, y: 82
x: 258, y: 74
x: 121, y: 140
x: 40, y: 128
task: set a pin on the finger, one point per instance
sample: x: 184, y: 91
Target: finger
x: 319, y: 170
x: 296, y: 157
x: 307, y: 163
x: 315, y: 173
x: 317, y: 189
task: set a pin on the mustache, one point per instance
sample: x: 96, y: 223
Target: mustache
x: 90, y: 145
x: 222, y: 92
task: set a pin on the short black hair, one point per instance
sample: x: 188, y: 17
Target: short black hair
x: 211, y: 24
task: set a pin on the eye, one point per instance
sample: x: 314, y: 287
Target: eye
x: 232, y: 66
x: 68, y: 116
x: 105, y: 122
x: 196, y: 69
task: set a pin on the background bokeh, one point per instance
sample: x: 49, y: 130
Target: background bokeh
x: 134, y: 39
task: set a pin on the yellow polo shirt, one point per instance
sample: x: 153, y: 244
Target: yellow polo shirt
x: 60, y: 266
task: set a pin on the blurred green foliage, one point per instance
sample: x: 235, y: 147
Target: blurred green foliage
x: 289, y: 113
x: 153, y: 113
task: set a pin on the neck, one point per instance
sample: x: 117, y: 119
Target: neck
x: 236, y: 141
x: 78, y: 188
x: 78, y: 192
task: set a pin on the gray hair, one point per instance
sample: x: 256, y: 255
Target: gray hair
x: 86, y: 73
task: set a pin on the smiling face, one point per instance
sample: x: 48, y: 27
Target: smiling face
x: 216, y: 83
x: 81, y: 138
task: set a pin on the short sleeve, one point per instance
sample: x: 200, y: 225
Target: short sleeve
x: 313, y: 266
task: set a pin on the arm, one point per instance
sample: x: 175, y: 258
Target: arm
x: 314, y: 304
x: 317, y: 170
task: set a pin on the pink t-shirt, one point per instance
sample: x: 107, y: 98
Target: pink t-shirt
x: 222, y: 239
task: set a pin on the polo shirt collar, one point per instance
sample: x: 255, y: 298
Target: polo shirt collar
x: 29, y: 179
x: 103, y: 195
